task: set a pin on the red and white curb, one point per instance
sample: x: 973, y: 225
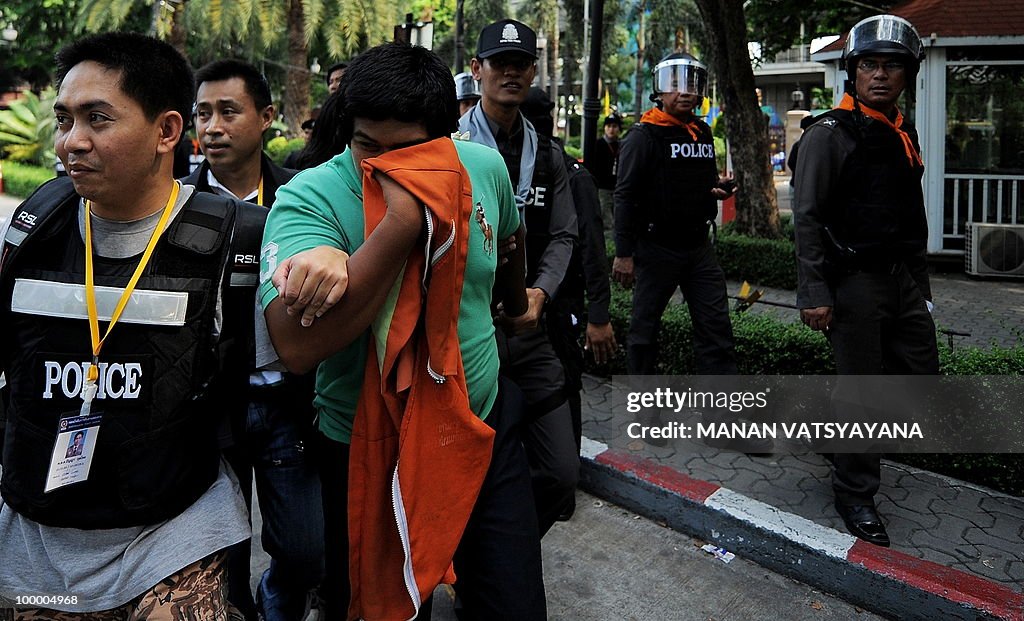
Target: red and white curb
x: 880, y: 579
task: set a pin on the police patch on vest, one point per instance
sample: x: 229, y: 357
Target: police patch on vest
x: 60, y: 377
x: 537, y: 196
x: 689, y: 149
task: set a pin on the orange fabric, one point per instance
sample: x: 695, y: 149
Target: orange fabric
x: 657, y: 116
x: 849, y: 103
x: 409, y: 428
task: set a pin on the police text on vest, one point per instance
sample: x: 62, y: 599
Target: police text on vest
x: 691, y: 150
x: 117, y: 380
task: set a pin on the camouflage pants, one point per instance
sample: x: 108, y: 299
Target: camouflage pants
x: 196, y: 593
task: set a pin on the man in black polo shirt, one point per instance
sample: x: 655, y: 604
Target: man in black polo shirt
x: 270, y: 437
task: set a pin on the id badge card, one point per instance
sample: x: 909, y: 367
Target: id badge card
x: 73, y: 452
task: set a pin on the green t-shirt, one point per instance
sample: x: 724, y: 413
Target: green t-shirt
x: 323, y: 206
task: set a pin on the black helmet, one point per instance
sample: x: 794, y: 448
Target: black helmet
x: 466, y: 87
x: 883, y: 34
x: 680, y: 72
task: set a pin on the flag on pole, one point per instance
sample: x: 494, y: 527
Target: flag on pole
x: 607, y: 102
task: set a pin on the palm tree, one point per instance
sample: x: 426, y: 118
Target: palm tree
x: 167, y: 21
x: 220, y: 24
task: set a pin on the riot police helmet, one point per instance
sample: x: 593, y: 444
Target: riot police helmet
x: 680, y: 72
x: 466, y: 87
x: 886, y: 35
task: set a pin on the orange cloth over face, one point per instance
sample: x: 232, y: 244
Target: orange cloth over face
x: 849, y: 103
x: 657, y: 116
x: 419, y: 455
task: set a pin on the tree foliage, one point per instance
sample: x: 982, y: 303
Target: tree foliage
x: 360, y: 24
x: 252, y: 29
x: 670, y: 26
x: 776, y: 23
x: 616, y: 65
x: 477, y: 14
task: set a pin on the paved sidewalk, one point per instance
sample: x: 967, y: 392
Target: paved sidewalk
x: 991, y: 311
x: 958, y: 549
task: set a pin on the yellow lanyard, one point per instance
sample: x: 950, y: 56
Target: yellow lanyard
x: 259, y: 193
x: 90, y: 286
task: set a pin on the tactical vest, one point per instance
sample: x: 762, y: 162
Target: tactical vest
x: 538, y: 208
x: 156, y: 450
x: 677, y: 204
x: 878, y: 204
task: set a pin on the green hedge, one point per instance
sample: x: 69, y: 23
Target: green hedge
x: 22, y: 179
x: 766, y: 345
x: 278, y: 148
x: 785, y: 227
x: 766, y: 262
x: 1003, y: 472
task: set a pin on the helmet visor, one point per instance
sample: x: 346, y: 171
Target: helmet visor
x: 883, y: 34
x: 686, y: 78
x: 466, y: 87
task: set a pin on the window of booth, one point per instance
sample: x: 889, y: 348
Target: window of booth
x: 985, y: 118
x: 984, y: 144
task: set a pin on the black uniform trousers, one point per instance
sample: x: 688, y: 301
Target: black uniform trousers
x: 529, y: 360
x: 880, y: 326
x: 659, y: 270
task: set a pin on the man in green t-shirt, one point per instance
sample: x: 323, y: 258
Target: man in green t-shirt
x: 323, y: 283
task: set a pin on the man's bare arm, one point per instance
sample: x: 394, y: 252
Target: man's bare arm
x: 372, y: 271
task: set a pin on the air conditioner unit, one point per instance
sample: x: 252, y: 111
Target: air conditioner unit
x: 994, y: 249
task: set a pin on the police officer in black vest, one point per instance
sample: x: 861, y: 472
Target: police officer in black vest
x: 111, y: 290
x: 861, y: 236
x: 665, y: 204
x: 505, y: 65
